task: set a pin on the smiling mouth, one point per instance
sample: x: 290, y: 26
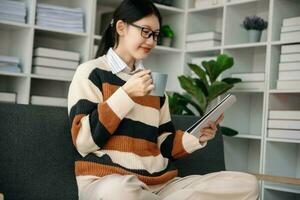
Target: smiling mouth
x: 146, y: 50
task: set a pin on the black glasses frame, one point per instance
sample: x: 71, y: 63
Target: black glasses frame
x: 147, y: 34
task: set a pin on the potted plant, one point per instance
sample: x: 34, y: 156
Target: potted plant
x: 166, y: 35
x: 204, y: 89
x: 254, y: 25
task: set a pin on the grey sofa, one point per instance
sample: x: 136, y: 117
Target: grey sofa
x: 36, y: 153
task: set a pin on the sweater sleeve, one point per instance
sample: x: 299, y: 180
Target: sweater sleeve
x: 174, y: 144
x: 94, y: 121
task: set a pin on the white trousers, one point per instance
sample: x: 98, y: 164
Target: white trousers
x: 225, y: 185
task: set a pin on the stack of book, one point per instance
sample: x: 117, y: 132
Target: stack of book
x: 48, y: 101
x: 8, y: 97
x: 290, y: 30
x: 10, y: 64
x: 284, y: 124
x: 13, y: 11
x: 203, y: 4
x: 53, y: 62
x: 199, y: 41
x: 253, y: 80
x: 59, y: 17
x: 289, y: 67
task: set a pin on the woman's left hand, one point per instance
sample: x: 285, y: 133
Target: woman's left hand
x: 209, y: 132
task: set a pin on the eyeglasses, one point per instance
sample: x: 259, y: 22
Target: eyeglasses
x: 147, y: 32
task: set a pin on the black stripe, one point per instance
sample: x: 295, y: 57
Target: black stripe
x: 106, y: 160
x: 137, y: 130
x: 167, y: 146
x: 99, y: 76
x: 83, y: 106
x: 167, y: 127
x: 162, y: 101
x: 99, y: 133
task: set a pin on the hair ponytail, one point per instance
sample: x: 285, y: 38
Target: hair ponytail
x: 107, y: 41
x: 128, y: 11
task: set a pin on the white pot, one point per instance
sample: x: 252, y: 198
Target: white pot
x: 166, y: 41
x: 254, y: 36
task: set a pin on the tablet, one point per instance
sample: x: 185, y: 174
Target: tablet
x: 212, y: 115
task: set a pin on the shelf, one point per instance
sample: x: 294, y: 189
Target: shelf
x: 278, y: 43
x: 282, y: 140
x: 163, y: 49
x: 248, y: 136
x: 204, y: 50
x: 240, y: 2
x: 246, y: 45
x: 55, y: 78
x: 194, y: 10
x: 168, y: 10
x: 60, y: 31
x: 242, y: 154
x: 10, y: 25
x: 3, y: 73
x: 273, y: 194
x: 275, y: 91
x: 247, y: 90
x: 282, y: 187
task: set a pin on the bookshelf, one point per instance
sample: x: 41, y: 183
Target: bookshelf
x: 252, y: 150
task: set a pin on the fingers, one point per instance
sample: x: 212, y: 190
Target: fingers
x: 142, y: 73
x: 220, y: 119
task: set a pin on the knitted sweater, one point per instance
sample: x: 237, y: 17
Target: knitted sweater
x: 116, y: 134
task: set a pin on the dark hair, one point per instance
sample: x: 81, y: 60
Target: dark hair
x: 128, y: 11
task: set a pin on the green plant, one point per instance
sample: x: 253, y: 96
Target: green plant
x: 203, y: 89
x: 255, y: 23
x: 166, y: 31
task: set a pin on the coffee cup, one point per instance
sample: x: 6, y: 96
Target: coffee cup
x: 159, y: 82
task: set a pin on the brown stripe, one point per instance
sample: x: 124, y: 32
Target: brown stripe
x: 83, y: 168
x: 133, y: 145
x: 76, y: 125
x: 150, y: 101
x: 178, y: 150
x: 108, y: 118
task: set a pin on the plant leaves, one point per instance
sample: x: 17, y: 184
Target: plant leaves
x: 217, y: 88
x: 187, y: 83
x: 232, y: 80
x: 228, y: 131
x: 200, y: 72
x: 209, y: 67
x: 223, y: 63
x: 202, y: 86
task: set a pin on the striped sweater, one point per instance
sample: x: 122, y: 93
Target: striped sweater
x: 114, y: 133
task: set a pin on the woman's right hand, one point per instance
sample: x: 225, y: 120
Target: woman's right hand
x: 139, y: 84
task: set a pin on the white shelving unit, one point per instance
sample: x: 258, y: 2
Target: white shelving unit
x: 252, y: 150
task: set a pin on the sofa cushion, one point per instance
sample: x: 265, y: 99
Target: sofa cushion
x: 36, y: 154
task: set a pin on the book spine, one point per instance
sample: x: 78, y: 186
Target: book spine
x: 290, y: 28
x: 59, y: 54
x: 289, y: 75
x: 285, y: 49
x: 291, y: 21
x: 289, y: 66
x: 204, y: 36
x: 284, y: 134
x: 284, y: 114
x: 290, y: 36
x: 50, y: 62
x: 284, y: 124
x: 288, y: 85
x: 290, y: 57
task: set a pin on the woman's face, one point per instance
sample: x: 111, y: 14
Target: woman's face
x: 134, y: 43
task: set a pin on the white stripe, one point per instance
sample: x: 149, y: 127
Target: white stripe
x: 162, y: 138
x: 151, y: 118
x: 84, y: 142
x: 129, y: 160
x: 191, y: 143
x: 120, y: 103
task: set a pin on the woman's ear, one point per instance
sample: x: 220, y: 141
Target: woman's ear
x: 121, y: 27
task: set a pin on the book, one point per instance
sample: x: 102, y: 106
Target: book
x: 289, y: 75
x: 8, y: 97
x: 204, y: 36
x: 56, y: 63
x: 251, y: 77
x: 290, y: 28
x: 290, y: 36
x: 10, y: 68
x: 250, y: 85
x: 55, y: 53
x: 284, y: 134
x: 202, y: 45
x: 53, y: 71
x: 295, y: 57
x: 284, y: 124
x: 287, y: 49
x: 9, y: 59
x: 291, y: 66
x: 292, y: 21
x: 288, y: 85
x: 212, y: 115
x: 50, y: 101
x: 284, y: 114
